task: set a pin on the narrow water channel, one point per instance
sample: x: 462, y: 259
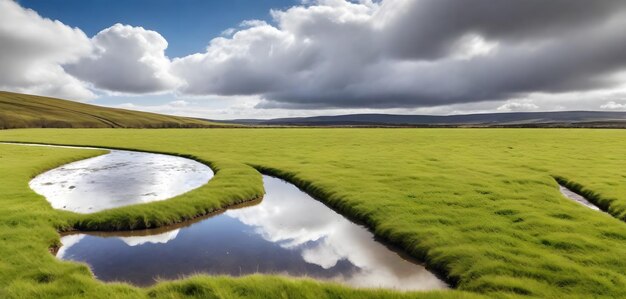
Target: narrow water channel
x: 287, y: 233
x: 577, y: 198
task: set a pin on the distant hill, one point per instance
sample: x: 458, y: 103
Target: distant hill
x: 512, y: 119
x: 29, y: 111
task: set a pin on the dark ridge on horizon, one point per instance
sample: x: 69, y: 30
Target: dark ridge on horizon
x: 30, y: 111
x: 505, y: 119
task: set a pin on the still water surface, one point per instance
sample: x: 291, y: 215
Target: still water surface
x: 287, y: 233
x: 117, y: 179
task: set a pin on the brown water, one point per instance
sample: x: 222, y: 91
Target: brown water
x: 287, y: 233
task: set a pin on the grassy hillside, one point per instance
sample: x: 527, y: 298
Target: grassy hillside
x: 29, y: 111
x: 480, y: 206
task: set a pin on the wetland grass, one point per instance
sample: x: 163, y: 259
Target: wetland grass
x: 479, y: 206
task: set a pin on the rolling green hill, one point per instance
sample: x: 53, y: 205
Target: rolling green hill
x: 29, y: 111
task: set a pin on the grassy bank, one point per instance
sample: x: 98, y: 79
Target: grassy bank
x: 28, y: 228
x: 481, y: 206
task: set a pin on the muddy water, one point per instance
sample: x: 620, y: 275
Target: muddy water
x: 577, y: 198
x: 287, y: 233
x: 117, y: 179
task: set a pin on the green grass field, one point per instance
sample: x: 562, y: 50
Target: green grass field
x: 479, y: 206
x: 29, y: 111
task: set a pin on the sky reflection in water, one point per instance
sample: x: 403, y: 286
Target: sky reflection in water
x: 118, y: 179
x: 287, y: 233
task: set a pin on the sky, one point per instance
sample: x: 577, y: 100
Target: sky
x: 187, y: 25
x: 283, y: 58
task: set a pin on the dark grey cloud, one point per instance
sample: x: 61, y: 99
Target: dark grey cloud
x: 415, y: 53
x: 427, y: 29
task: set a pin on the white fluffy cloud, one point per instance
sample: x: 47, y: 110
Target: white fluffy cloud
x: 312, y: 47
x: 32, y: 50
x: 612, y: 105
x: 519, y: 105
x: 126, y: 59
x: 46, y: 57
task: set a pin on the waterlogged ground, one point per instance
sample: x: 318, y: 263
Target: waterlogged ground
x: 481, y: 206
x: 119, y: 178
x: 287, y: 233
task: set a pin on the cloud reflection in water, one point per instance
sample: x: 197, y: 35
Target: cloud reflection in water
x: 287, y: 233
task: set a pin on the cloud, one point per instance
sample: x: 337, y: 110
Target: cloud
x: 338, y: 54
x: 228, y: 31
x: 419, y: 53
x: 45, y: 57
x: 612, y: 105
x: 252, y: 23
x: 428, y: 29
x: 179, y: 103
x: 32, y: 50
x: 126, y: 59
x: 522, y: 105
